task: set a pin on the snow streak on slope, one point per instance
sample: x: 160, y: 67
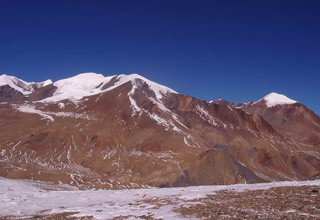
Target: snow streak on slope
x: 274, y: 99
x: 27, y: 198
x: 47, y: 115
x: 204, y: 115
x: 133, y: 103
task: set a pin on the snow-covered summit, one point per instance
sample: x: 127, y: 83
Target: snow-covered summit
x: 76, y: 87
x: 88, y: 84
x: 274, y: 99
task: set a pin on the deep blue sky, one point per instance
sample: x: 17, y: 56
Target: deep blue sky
x: 237, y: 50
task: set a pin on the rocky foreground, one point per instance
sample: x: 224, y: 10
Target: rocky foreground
x: 21, y: 199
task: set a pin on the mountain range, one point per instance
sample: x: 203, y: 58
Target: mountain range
x: 125, y: 131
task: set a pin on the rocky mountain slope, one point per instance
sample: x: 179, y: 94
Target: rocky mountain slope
x: 125, y: 131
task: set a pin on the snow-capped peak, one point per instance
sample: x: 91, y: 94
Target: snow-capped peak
x: 47, y: 82
x: 88, y: 84
x: 41, y: 84
x: 15, y: 83
x: 274, y: 99
x: 83, y: 81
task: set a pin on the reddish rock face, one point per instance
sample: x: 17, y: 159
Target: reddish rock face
x: 129, y: 132
x: 293, y: 120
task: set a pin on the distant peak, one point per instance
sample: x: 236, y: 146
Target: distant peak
x: 47, y: 82
x: 274, y: 99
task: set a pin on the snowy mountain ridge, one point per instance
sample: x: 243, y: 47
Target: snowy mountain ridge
x: 15, y: 83
x: 21, y: 85
x: 88, y: 84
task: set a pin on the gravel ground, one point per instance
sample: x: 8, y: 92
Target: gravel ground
x: 301, y: 202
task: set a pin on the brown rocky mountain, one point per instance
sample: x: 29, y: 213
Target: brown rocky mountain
x: 125, y: 131
x: 294, y: 120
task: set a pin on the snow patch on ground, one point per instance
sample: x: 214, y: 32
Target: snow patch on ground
x: 47, y: 115
x: 31, y: 109
x: 61, y: 105
x: 28, y: 198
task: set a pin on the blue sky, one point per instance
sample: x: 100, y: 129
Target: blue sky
x: 236, y: 50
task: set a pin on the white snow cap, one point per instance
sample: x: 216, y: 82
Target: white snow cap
x: 274, y: 99
x: 47, y: 82
x: 88, y: 84
x: 41, y: 84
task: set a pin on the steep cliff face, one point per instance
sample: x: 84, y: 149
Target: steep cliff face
x: 125, y: 131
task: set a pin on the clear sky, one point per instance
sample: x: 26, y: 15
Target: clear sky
x: 237, y: 50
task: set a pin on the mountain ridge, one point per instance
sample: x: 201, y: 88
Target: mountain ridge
x: 125, y: 131
x: 100, y: 79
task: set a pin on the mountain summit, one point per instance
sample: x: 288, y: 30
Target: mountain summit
x: 274, y: 99
x: 88, y: 84
x: 125, y: 131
